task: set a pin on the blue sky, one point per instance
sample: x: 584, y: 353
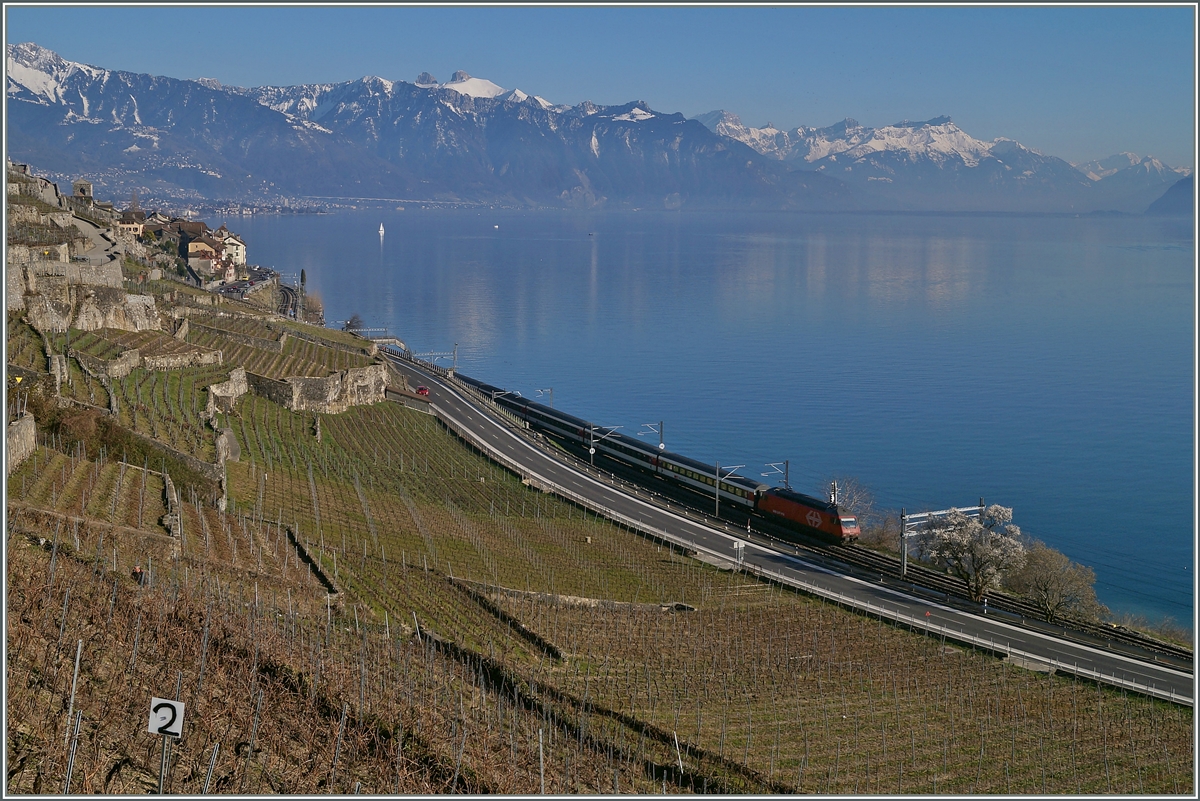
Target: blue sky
x: 1075, y: 82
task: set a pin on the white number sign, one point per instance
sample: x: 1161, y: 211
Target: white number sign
x: 166, y: 717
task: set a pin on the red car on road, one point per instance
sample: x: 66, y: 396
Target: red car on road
x: 422, y: 390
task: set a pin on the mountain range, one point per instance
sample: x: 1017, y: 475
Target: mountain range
x: 469, y: 140
x: 935, y: 165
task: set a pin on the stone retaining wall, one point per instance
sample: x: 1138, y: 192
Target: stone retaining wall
x: 223, y: 396
x: 28, y: 254
x: 272, y: 389
x: 332, y: 394
x: 107, y: 274
x: 177, y: 361
x: 22, y: 213
x: 14, y: 287
x: 22, y: 440
x: 211, y: 471
x: 116, y: 368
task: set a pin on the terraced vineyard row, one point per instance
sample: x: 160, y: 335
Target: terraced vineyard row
x: 25, y: 348
x: 332, y: 335
x: 115, y: 492
x: 437, y: 511
x: 837, y: 703
x: 387, y: 711
x: 83, y: 387
x: 496, y: 529
x: 148, y: 343
x: 238, y: 325
x: 166, y: 405
x: 299, y: 358
x: 92, y: 343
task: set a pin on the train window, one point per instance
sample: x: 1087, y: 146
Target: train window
x: 849, y: 522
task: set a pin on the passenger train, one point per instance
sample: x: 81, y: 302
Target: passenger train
x: 802, y: 512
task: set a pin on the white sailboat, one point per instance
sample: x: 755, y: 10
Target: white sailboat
x: 381, y: 229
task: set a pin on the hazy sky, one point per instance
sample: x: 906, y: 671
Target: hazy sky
x: 1074, y: 82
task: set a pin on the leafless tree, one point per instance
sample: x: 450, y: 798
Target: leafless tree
x: 854, y: 496
x: 980, y: 550
x: 1059, y: 587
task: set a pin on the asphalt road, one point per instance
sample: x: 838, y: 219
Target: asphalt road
x: 991, y: 632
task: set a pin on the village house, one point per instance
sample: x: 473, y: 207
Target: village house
x: 132, y: 221
x: 204, y: 254
x: 235, y: 248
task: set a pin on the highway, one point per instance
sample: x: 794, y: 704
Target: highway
x: 472, y: 421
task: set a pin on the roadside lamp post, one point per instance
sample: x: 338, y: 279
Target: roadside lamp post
x: 654, y: 429
x: 717, y: 485
x: 549, y: 391
x: 776, y: 471
x: 592, y: 440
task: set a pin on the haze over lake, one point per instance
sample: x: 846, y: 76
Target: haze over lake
x: 1044, y: 363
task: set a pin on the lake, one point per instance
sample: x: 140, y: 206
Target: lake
x: 1044, y: 363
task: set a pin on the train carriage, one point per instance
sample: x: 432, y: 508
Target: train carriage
x: 803, y: 512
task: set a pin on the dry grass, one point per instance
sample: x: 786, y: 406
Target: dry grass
x: 420, y: 716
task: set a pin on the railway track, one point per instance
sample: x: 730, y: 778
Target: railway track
x: 864, y: 562
x: 951, y: 587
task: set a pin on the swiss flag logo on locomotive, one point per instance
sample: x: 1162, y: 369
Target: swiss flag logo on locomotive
x: 814, y: 518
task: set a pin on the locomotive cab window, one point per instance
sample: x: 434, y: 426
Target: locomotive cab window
x: 849, y: 522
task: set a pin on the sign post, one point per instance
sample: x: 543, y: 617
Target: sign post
x: 166, y: 718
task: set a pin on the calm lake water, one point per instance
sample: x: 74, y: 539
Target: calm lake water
x: 1043, y: 363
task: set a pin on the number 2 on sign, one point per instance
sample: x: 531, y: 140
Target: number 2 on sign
x: 166, y: 717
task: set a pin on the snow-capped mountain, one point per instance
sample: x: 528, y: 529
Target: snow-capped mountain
x: 933, y: 164
x: 769, y: 141
x: 1102, y: 168
x: 1129, y: 181
x: 464, y: 140
x: 472, y: 140
x: 936, y: 139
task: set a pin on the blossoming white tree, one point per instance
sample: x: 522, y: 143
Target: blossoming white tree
x: 978, y: 550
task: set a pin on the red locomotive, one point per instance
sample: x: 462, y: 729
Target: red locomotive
x: 809, y: 514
